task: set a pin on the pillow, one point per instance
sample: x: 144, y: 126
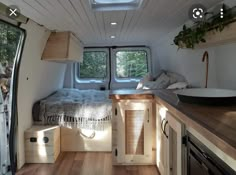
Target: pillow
x: 146, y: 78
x: 158, y: 75
x: 161, y: 83
x: 174, y: 77
x: 179, y: 85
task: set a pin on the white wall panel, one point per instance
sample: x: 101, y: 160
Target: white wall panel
x: 37, y: 79
x: 186, y: 62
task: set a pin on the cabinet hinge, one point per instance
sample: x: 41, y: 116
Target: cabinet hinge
x: 116, y: 152
x: 115, y: 111
x: 184, y: 140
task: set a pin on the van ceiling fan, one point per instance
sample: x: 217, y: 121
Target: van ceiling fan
x: 113, y: 5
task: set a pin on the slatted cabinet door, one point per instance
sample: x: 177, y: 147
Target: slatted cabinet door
x: 176, y: 151
x: 161, y: 140
x: 134, y: 132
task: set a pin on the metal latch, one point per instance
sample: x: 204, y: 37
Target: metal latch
x: 184, y: 140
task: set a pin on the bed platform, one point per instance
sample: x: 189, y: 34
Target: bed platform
x: 83, y: 115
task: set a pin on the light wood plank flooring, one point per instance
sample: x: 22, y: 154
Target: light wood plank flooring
x: 78, y: 163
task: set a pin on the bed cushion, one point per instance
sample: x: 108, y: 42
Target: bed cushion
x: 178, y: 85
x: 147, y: 78
x: 174, y: 77
x: 161, y: 82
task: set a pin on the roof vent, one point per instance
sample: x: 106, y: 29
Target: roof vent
x: 111, y: 5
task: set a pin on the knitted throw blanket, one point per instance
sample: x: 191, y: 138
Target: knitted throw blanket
x: 85, y: 109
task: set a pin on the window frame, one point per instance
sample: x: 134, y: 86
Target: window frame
x: 14, y: 91
x: 114, y: 65
x: 94, y: 80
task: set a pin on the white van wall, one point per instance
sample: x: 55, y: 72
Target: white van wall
x: 186, y: 62
x: 225, y: 65
x: 37, y: 79
x: 189, y: 63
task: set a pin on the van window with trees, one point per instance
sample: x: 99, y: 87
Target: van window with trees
x: 131, y: 64
x: 125, y: 64
x: 9, y: 41
x: 94, y: 65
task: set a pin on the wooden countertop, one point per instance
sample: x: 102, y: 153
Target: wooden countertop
x: 217, y: 124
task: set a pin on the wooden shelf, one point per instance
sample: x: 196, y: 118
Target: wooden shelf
x: 214, y: 38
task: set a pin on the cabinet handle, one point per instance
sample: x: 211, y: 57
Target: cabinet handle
x: 165, y: 129
x: 162, y: 122
x: 148, y: 116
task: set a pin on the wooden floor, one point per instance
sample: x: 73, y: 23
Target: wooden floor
x: 71, y: 163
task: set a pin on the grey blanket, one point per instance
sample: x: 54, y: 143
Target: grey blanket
x: 86, y: 109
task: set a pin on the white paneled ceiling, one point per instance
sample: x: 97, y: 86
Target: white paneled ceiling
x: 155, y: 19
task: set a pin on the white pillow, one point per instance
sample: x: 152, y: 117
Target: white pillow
x: 146, y: 78
x: 178, y: 85
x: 174, y: 77
x: 161, y: 83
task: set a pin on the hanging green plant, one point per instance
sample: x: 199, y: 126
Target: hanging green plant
x: 190, y: 36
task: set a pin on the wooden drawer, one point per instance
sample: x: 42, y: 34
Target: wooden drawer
x: 72, y: 140
x: 42, y: 144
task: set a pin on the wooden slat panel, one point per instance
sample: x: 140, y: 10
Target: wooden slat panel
x: 134, y: 132
x: 152, y: 21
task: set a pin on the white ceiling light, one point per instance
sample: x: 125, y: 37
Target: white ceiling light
x: 113, y: 37
x: 113, y: 23
x: 111, y: 5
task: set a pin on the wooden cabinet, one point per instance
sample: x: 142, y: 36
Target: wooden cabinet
x: 74, y: 139
x: 171, y: 153
x: 42, y: 144
x: 161, y: 140
x: 176, y: 151
x: 132, y: 132
x: 63, y: 47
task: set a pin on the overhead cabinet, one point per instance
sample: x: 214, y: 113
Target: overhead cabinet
x: 63, y: 47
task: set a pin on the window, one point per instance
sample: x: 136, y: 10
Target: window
x: 10, y: 43
x: 125, y: 65
x: 131, y: 64
x: 94, y: 65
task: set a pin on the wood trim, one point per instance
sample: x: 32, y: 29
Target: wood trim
x: 68, y: 44
x: 132, y: 97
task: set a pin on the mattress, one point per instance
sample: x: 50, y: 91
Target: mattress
x: 89, y: 109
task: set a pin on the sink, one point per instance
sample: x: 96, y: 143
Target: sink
x: 207, y: 96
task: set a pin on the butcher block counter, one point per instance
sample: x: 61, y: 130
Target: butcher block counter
x: 217, y: 124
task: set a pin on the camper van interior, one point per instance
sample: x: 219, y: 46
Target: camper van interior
x: 118, y: 87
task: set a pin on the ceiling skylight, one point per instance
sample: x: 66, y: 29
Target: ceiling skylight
x: 111, y: 5
x: 113, y: 1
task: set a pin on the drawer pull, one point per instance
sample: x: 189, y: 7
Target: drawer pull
x: 33, y: 139
x: 45, y: 140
